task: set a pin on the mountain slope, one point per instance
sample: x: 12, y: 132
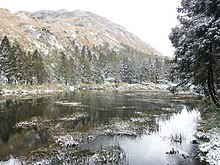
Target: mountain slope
x: 57, y: 29
x: 75, y: 47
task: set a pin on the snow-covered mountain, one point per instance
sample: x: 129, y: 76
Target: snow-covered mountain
x: 48, y: 30
x: 73, y: 47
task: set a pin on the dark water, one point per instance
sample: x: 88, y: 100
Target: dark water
x: 166, y: 138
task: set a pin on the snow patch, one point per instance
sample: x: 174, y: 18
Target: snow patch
x: 11, y: 161
x: 120, y: 128
x: 75, y: 117
x: 21, y: 91
x: 31, y: 31
x: 32, y: 123
x: 211, y: 148
x: 66, y: 141
x: 71, y: 104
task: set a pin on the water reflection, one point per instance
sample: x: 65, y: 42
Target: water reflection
x: 13, y: 111
x: 149, y: 114
x: 155, y: 148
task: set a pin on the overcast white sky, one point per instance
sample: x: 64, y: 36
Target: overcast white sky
x: 150, y: 20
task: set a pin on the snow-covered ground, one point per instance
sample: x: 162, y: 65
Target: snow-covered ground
x: 21, y: 90
x: 44, y: 89
x: 70, y: 104
x: 31, y: 90
x: 122, y: 86
x: 66, y: 140
x: 211, y: 149
x: 11, y: 161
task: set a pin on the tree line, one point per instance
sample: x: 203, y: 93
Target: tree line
x: 106, y: 64
x: 79, y: 66
x: 17, y: 66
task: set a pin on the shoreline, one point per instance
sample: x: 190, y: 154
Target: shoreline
x: 21, y: 90
x: 37, y: 90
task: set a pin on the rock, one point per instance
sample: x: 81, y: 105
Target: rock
x: 195, y: 142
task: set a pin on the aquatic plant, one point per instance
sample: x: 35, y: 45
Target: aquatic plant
x: 177, y: 137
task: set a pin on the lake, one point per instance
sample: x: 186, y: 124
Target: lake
x: 98, y: 127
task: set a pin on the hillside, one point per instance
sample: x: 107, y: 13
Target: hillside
x: 84, y: 39
x: 57, y: 29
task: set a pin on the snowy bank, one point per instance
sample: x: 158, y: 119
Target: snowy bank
x: 7, y: 90
x: 11, y: 161
x: 210, y: 149
x: 122, y: 87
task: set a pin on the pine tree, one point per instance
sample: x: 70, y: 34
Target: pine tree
x: 28, y: 69
x: 144, y: 72
x: 38, y: 68
x: 197, y: 44
x: 152, y: 70
x: 158, y: 70
x: 86, y: 71
x: 63, y: 74
x: 127, y: 71
x: 5, y: 59
x: 96, y: 71
x: 72, y: 71
x: 18, y: 62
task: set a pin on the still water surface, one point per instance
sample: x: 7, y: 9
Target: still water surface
x: 163, y: 133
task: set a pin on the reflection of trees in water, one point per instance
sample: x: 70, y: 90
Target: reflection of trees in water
x: 13, y: 111
x: 102, y: 107
x: 4, y: 131
x: 7, y: 119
